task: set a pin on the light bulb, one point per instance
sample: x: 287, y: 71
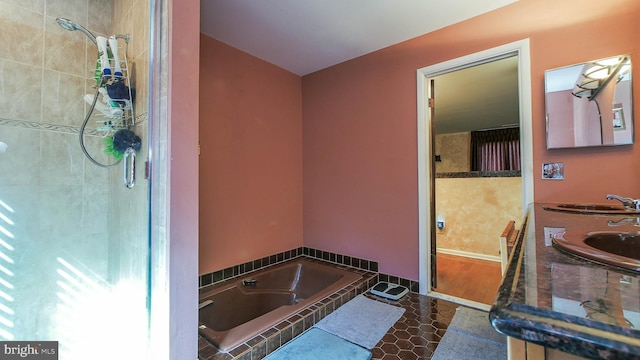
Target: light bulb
x: 597, y: 72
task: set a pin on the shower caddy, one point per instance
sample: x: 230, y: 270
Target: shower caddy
x: 127, y: 118
x: 116, y: 108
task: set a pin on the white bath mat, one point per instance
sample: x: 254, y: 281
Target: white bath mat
x: 471, y: 336
x: 362, y: 321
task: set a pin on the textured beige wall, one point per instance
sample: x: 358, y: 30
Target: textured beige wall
x: 476, y: 210
x: 454, y: 150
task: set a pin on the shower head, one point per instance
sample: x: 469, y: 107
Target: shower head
x: 72, y: 26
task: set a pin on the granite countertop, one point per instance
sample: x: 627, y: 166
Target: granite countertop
x: 561, y: 301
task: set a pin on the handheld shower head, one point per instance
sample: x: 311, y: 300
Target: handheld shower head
x: 72, y: 26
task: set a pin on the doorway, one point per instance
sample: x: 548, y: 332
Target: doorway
x: 426, y: 156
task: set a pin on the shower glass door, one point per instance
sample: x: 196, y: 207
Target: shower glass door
x: 74, y: 241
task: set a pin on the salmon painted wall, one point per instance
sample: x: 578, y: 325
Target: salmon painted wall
x: 360, y: 142
x: 250, y: 159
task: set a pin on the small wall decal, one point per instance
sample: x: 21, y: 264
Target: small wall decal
x: 553, y: 171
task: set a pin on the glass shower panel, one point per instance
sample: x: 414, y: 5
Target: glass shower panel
x: 74, y: 241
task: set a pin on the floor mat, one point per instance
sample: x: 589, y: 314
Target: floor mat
x: 362, y: 321
x: 316, y: 344
x: 471, y: 336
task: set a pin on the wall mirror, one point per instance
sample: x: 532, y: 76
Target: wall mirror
x: 590, y: 104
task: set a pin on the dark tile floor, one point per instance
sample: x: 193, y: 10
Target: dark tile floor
x: 418, y: 332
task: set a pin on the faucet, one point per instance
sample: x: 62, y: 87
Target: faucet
x: 249, y: 282
x: 204, y: 304
x: 629, y: 203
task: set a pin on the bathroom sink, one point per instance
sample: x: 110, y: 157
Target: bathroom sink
x: 623, y: 244
x: 590, y: 209
x: 619, y: 249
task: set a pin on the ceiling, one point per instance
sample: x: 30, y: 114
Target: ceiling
x: 481, y: 97
x: 304, y: 36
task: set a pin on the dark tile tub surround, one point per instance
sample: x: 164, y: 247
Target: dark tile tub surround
x: 271, y: 339
x: 268, y: 341
x: 363, y: 264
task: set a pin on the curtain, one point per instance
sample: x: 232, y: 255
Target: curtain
x: 495, y: 150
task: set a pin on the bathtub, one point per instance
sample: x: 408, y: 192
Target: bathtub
x: 236, y: 311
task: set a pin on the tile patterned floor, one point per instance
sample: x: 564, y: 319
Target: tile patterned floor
x: 418, y: 332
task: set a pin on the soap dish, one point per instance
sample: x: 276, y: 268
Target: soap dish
x: 389, y: 291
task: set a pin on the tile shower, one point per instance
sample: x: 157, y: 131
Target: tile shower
x: 72, y: 237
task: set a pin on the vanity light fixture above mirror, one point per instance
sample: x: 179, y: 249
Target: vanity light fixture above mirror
x: 599, y: 74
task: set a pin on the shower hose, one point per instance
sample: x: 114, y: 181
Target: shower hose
x: 84, y: 125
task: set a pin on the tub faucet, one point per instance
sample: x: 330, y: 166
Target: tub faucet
x: 204, y: 304
x: 249, y: 282
x: 629, y: 203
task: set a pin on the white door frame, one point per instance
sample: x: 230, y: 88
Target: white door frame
x: 425, y: 156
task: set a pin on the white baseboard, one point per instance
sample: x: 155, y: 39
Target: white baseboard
x: 467, y: 254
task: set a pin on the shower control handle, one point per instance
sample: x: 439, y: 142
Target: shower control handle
x: 129, y: 160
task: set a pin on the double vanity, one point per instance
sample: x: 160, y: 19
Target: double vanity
x: 573, y: 284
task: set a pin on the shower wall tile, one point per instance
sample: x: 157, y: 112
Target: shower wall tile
x: 125, y: 21
x: 96, y: 176
x: 75, y: 10
x: 140, y: 82
x: 62, y: 99
x: 119, y: 8
x: 33, y: 302
x: 62, y: 161
x: 62, y: 205
x: 140, y: 30
x: 21, y: 35
x: 60, y: 212
x: 22, y: 87
x: 95, y: 207
x: 32, y: 5
x: 86, y: 247
x: 65, y: 50
x: 21, y: 201
x: 99, y: 17
x: 21, y: 144
x: 120, y: 20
